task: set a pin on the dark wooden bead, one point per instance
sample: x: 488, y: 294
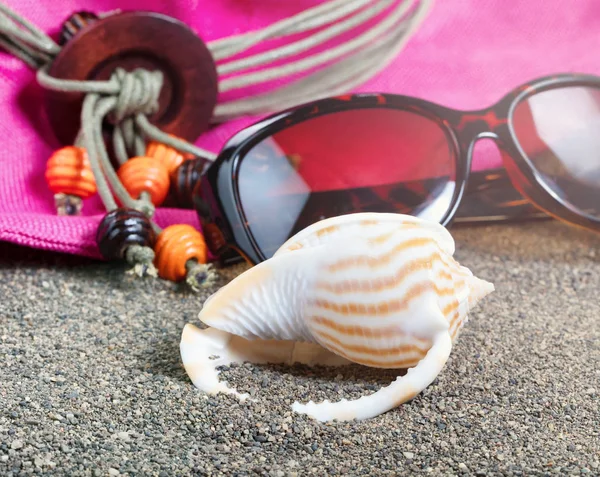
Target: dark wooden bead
x: 122, y: 228
x: 138, y: 39
x: 215, y: 241
x: 76, y: 22
x: 187, y: 179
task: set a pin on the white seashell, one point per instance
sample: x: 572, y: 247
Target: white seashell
x: 381, y: 290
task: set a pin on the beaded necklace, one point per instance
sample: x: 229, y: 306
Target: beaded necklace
x: 148, y: 165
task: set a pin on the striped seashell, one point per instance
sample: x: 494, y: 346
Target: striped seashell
x: 380, y: 290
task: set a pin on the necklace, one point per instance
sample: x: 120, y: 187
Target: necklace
x: 149, y: 111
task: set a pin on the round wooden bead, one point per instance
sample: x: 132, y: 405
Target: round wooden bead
x: 185, y: 180
x: 175, y: 246
x: 68, y: 171
x: 145, y: 174
x: 72, y: 25
x: 121, y: 228
x: 170, y: 157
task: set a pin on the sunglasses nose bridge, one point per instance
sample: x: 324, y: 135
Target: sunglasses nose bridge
x: 473, y: 126
x: 492, y: 140
x: 472, y: 132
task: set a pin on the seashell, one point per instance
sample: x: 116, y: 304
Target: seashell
x: 381, y: 290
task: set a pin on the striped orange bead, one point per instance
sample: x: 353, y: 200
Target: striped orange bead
x: 68, y: 171
x: 174, y: 247
x: 145, y: 174
x: 169, y: 156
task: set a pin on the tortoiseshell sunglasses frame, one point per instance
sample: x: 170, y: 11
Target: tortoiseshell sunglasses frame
x: 217, y: 197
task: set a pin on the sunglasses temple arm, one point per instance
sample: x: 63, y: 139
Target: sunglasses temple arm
x: 491, y: 197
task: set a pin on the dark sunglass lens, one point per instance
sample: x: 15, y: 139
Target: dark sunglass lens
x: 367, y: 160
x: 559, y: 132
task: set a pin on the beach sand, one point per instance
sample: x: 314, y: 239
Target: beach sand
x: 91, y: 381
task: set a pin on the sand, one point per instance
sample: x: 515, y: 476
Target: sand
x: 92, y: 383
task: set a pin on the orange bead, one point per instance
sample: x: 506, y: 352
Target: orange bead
x: 174, y: 247
x: 68, y: 171
x: 170, y: 157
x: 145, y: 174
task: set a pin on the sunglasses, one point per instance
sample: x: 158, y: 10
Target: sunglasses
x: 393, y: 153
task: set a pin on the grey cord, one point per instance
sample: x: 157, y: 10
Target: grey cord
x: 332, y: 80
x: 22, y: 51
x: 305, y: 64
x: 376, y: 59
x: 93, y: 141
x: 24, y: 40
x: 304, y: 44
x: 156, y: 134
x: 308, y: 19
x: 401, y: 22
x: 86, y: 139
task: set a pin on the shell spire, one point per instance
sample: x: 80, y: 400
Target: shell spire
x: 380, y: 290
x: 479, y: 289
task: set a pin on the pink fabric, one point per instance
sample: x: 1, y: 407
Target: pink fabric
x: 467, y: 54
